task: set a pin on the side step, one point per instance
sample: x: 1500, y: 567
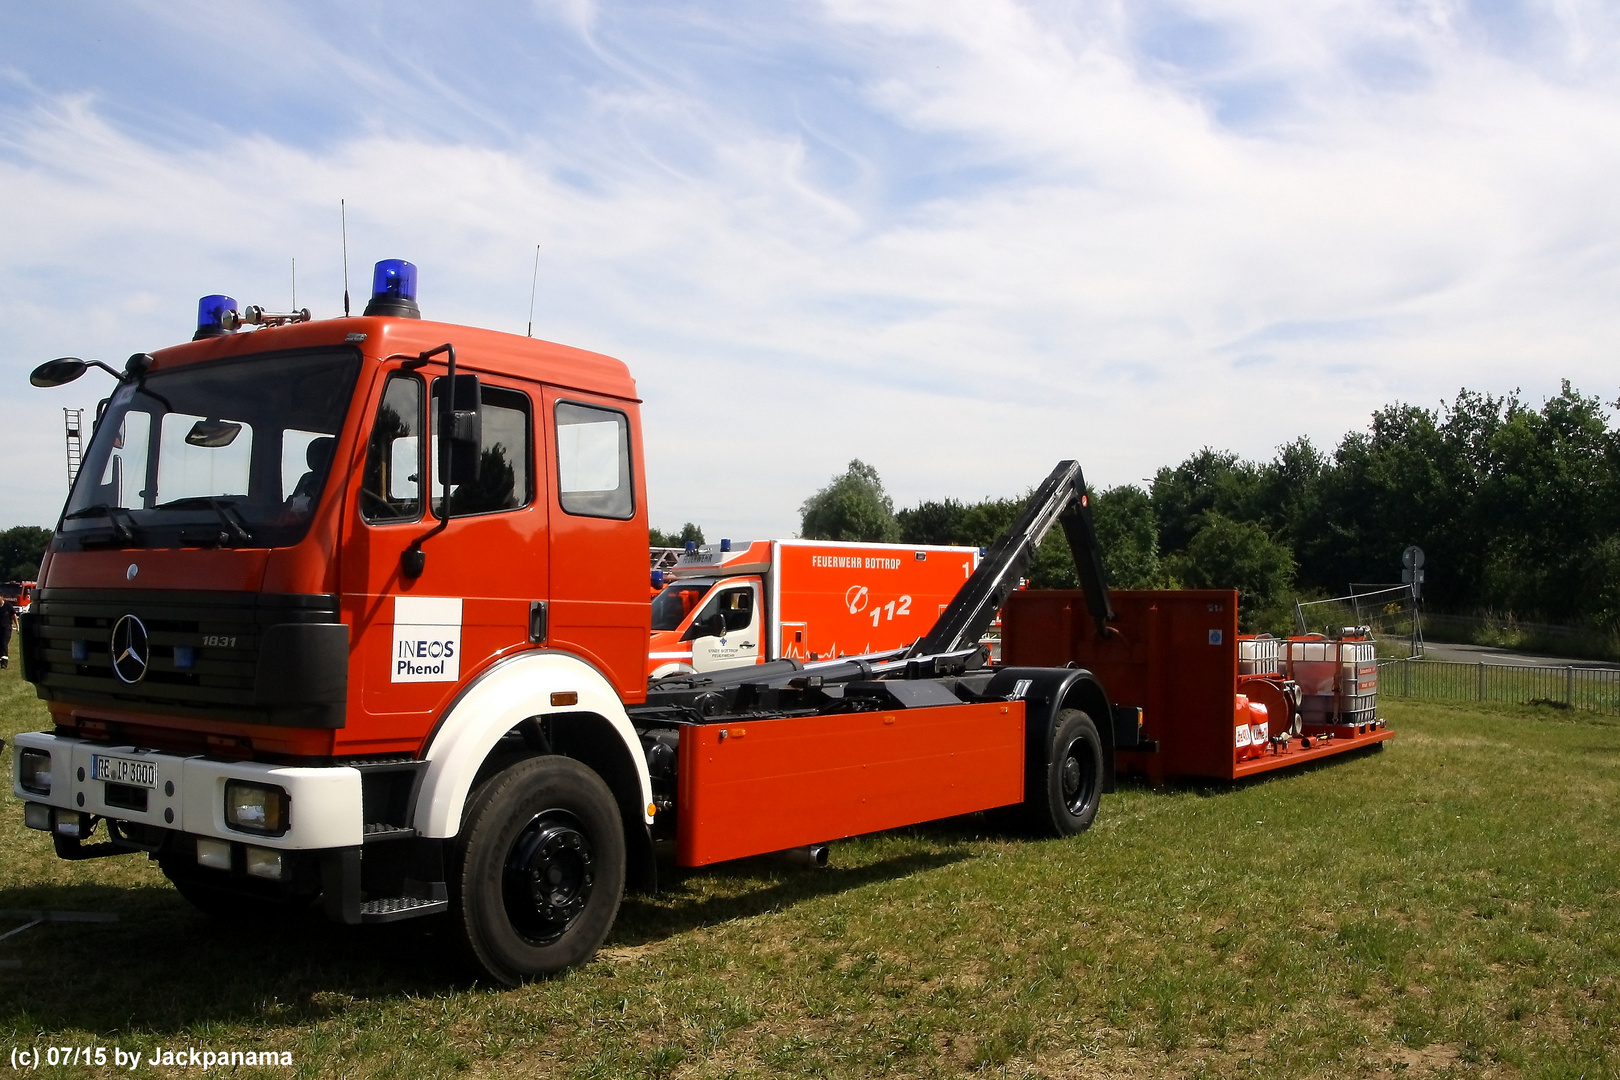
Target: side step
x: 395, y: 908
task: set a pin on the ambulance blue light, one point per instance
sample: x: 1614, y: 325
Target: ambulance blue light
x: 691, y: 545
x: 216, y: 316
x: 725, y: 545
x: 393, y: 290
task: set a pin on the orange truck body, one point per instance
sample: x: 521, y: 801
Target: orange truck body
x: 802, y: 600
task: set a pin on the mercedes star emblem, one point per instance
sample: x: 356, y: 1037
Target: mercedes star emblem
x: 129, y: 649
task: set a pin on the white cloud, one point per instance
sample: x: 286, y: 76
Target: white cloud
x: 1086, y: 250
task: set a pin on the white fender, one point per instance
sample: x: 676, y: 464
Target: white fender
x: 672, y: 669
x: 496, y: 702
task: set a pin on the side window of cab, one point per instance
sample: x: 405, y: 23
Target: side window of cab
x: 593, y: 461
x: 391, y: 487
x: 505, y: 452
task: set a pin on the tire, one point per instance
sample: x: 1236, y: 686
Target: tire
x: 1068, y: 802
x: 540, y: 869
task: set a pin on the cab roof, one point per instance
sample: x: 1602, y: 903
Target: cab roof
x: 378, y: 337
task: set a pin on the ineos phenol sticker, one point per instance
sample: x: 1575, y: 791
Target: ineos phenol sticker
x: 427, y: 639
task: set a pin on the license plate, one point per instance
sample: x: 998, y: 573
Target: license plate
x: 120, y: 770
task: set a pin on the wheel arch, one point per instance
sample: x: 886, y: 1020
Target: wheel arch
x: 1049, y: 692
x: 591, y: 728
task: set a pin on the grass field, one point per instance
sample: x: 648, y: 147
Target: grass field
x: 1447, y: 907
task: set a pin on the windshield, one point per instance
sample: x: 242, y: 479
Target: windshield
x: 229, y: 453
x: 671, y: 607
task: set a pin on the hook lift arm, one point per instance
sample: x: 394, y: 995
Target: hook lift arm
x: 1061, y: 499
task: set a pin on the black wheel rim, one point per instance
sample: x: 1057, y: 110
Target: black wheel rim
x: 1079, y: 777
x: 549, y: 873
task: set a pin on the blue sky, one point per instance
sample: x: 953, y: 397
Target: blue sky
x: 957, y: 240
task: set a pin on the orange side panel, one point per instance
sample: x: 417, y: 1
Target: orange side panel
x: 765, y: 785
x: 861, y: 598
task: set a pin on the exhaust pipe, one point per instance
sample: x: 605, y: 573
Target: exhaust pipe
x: 813, y: 855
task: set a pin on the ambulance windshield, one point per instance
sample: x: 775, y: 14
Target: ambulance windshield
x: 231, y: 453
x: 671, y: 607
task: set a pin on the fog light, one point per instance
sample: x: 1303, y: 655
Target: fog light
x: 261, y: 862
x: 259, y: 808
x: 34, y: 771
x: 214, y: 854
x: 37, y: 815
x: 68, y: 824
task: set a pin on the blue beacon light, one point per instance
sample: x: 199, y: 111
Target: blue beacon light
x: 215, y: 316
x: 393, y: 290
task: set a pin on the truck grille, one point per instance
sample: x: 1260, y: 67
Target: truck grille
x: 203, y: 655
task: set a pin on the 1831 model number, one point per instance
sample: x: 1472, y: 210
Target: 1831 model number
x: 219, y: 641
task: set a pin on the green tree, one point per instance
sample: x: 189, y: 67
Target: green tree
x: 933, y: 523
x: 1227, y: 554
x: 1209, y: 480
x: 1128, y: 535
x: 21, y: 550
x: 689, y: 531
x: 853, y: 507
x: 1551, y: 496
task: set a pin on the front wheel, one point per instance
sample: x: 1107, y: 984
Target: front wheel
x: 1068, y: 801
x: 542, y: 867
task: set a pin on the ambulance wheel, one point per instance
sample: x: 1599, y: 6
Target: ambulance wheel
x: 541, y: 869
x: 1074, y: 778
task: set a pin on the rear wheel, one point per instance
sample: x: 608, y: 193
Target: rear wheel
x: 542, y: 865
x: 1074, y: 778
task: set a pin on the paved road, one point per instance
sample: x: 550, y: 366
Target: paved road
x: 1477, y: 654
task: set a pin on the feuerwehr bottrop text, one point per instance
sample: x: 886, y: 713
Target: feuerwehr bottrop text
x: 30, y: 1058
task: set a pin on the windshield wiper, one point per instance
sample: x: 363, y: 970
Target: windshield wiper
x: 123, y: 530
x: 233, y: 519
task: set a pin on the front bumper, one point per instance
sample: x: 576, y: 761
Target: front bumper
x: 324, y: 802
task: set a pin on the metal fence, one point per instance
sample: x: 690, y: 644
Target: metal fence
x: 1597, y: 689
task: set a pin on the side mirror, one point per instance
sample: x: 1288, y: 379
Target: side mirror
x: 58, y: 372
x: 461, y: 430
x: 711, y: 625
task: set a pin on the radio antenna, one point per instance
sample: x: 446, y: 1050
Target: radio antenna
x: 295, y: 283
x: 532, y: 284
x: 343, y: 212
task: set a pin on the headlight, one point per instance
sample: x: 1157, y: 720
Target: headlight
x: 258, y: 808
x: 34, y: 766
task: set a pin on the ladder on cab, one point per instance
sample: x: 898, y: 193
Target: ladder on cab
x: 74, y: 421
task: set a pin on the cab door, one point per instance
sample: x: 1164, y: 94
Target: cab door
x: 416, y: 640
x: 598, y: 504
x: 736, y: 608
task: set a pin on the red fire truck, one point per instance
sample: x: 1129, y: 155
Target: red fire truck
x: 733, y: 605
x: 355, y: 612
